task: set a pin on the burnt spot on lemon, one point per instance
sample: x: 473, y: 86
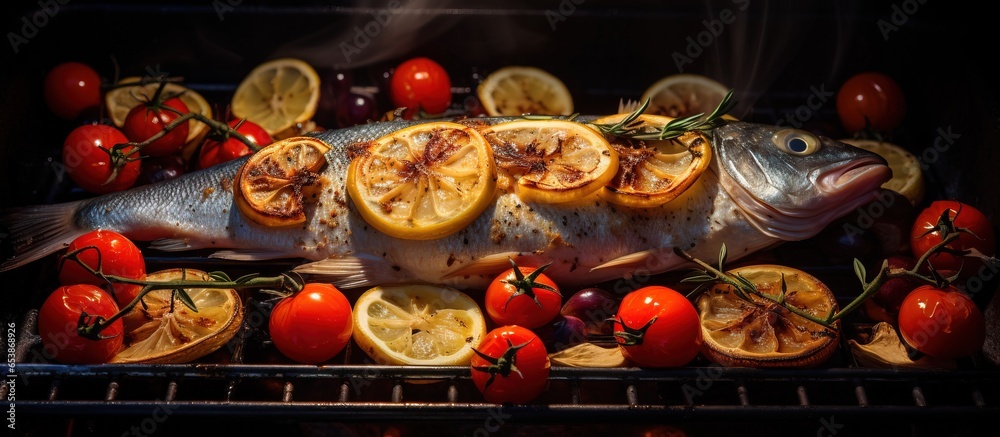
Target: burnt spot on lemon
x: 422, y: 182
x: 274, y: 185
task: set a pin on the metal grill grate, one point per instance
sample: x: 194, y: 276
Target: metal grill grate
x: 354, y: 392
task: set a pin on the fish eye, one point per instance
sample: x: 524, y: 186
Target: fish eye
x: 796, y: 142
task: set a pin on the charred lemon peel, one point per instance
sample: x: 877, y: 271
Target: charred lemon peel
x: 423, y: 182
x: 765, y: 316
x: 551, y: 161
x: 273, y: 187
x: 654, y: 172
x: 162, y: 332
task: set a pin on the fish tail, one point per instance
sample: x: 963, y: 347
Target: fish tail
x: 37, y: 231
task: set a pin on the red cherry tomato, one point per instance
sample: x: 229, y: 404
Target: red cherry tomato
x: 88, y: 163
x: 146, y: 120
x: 313, y: 325
x: 872, y: 100
x: 942, y: 323
x: 421, y: 83
x: 511, y: 365
x: 658, y: 327
x: 924, y: 236
x: 111, y: 253
x: 227, y: 148
x: 523, y: 296
x: 57, y: 323
x: 72, y: 88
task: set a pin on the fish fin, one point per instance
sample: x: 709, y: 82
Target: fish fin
x: 627, y: 107
x: 170, y: 245
x: 657, y: 260
x: 352, y: 271
x: 492, y: 265
x: 248, y: 255
x: 37, y: 231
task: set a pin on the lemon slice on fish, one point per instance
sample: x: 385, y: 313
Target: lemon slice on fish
x: 423, y: 182
x: 418, y: 325
x: 683, y: 95
x: 165, y: 332
x: 552, y: 161
x: 907, y: 178
x: 122, y: 99
x: 738, y: 333
x: 271, y: 188
x: 518, y: 90
x: 277, y: 95
x: 652, y: 173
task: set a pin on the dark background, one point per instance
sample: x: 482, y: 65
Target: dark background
x: 942, y: 56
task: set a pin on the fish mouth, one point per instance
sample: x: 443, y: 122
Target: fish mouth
x: 842, y: 188
x: 859, y: 174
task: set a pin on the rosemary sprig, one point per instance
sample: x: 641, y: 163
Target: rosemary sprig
x: 744, y: 288
x: 631, y: 128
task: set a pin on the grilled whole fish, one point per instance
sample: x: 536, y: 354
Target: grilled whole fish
x: 766, y: 185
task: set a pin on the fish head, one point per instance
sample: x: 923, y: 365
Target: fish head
x: 790, y: 183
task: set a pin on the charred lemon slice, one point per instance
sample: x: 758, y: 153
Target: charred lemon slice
x: 423, y: 182
x: 517, y: 90
x: 683, y: 95
x: 278, y: 94
x: 552, y: 161
x: 739, y: 333
x: 651, y: 173
x: 122, y: 99
x: 165, y: 331
x: 418, y: 325
x: 272, y: 186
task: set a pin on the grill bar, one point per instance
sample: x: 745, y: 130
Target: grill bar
x: 682, y: 375
x: 477, y: 411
